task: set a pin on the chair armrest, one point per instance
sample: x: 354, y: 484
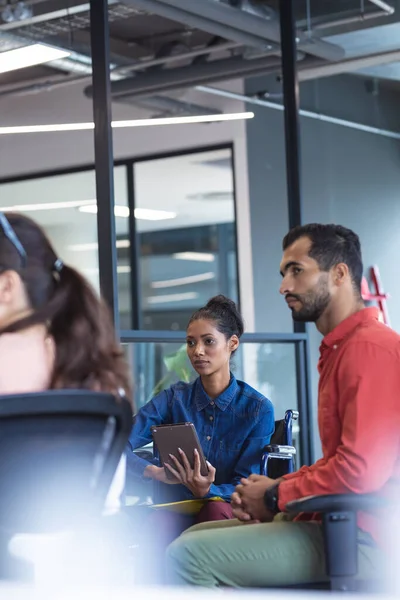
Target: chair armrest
x: 279, y: 449
x: 277, y: 460
x: 145, y: 454
x: 337, y: 502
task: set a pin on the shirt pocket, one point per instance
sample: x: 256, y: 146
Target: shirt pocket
x: 230, y: 444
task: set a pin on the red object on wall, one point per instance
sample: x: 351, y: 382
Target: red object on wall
x: 378, y: 295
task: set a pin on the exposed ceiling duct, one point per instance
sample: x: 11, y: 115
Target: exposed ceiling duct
x: 44, y: 17
x: 159, y: 48
x: 167, y: 105
x: 214, y: 14
x: 234, y: 24
x: 183, y: 77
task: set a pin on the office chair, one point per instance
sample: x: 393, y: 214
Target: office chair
x: 59, y: 451
x: 278, y: 457
x: 338, y: 513
x: 339, y: 523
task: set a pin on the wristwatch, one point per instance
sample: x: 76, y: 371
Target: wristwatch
x: 271, y: 498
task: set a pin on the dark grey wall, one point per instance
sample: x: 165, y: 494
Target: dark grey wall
x: 349, y: 177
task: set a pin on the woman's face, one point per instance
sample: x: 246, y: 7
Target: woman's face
x: 208, y: 349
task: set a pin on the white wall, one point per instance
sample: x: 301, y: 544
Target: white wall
x: 350, y: 177
x: 29, y: 153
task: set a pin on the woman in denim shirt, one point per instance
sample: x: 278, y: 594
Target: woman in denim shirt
x: 233, y: 421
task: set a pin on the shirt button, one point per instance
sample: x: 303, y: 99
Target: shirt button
x: 334, y: 347
x: 208, y: 438
x: 211, y: 418
x: 212, y: 402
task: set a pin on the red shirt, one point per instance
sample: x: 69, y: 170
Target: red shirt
x: 358, y: 416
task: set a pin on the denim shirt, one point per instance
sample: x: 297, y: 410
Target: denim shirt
x: 232, y: 428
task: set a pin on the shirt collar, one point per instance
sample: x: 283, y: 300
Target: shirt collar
x: 222, y: 401
x: 347, y: 326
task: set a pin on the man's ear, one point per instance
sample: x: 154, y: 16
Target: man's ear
x: 341, y: 274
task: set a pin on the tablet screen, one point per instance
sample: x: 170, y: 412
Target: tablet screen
x: 168, y: 438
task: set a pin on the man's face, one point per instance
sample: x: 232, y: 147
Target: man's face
x: 305, y: 287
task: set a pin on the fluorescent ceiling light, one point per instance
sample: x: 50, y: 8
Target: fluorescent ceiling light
x: 148, y: 214
x: 125, y: 124
x: 95, y: 270
x: 182, y: 280
x: 197, y: 256
x: 194, y: 256
x: 145, y: 214
x: 184, y: 120
x: 46, y: 206
x: 172, y: 298
x: 90, y: 206
x: 123, y: 269
x: 94, y: 246
x: 119, y: 210
x: 28, y: 56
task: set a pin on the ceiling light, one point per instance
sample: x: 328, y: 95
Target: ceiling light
x: 83, y: 247
x: 95, y: 270
x: 182, y: 280
x: 184, y: 120
x: 149, y: 214
x: 210, y: 196
x: 47, y: 206
x: 172, y: 298
x: 94, y: 246
x: 125, y: 124
x: 123, y: 269
x: 46, y: 128
x: 145, y: 214
x: 197, y: 256
x: 28, y: 56
x: 90, y: 206
x: 119, y: 210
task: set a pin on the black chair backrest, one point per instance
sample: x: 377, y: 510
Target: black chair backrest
x: 279, y: 436
x: 59, y: 451
x: 277, y: 468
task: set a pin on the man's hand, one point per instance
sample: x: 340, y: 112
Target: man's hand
x: 248, y: 499
x: 198, y: 484
x: 158, y: 473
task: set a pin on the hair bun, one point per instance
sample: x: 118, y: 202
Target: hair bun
x: 223, y: 306
x: 221, y: 301
x: 224, y: 313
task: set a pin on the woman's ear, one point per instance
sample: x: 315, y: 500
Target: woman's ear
x: 7, y: 286
x: 233, y: 343
x: 12, y: 291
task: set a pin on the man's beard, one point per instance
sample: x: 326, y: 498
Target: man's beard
x: 313, y: 302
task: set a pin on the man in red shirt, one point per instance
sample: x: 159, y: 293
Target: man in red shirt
x: 359, y: 424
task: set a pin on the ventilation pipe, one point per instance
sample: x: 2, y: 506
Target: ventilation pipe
x: 233, y: 24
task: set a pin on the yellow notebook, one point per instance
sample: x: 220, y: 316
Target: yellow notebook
x: 186, y: 507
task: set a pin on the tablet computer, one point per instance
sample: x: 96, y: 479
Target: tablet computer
x: 168, y: 438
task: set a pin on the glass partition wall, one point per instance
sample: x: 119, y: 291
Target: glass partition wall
x: 176, y: 247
